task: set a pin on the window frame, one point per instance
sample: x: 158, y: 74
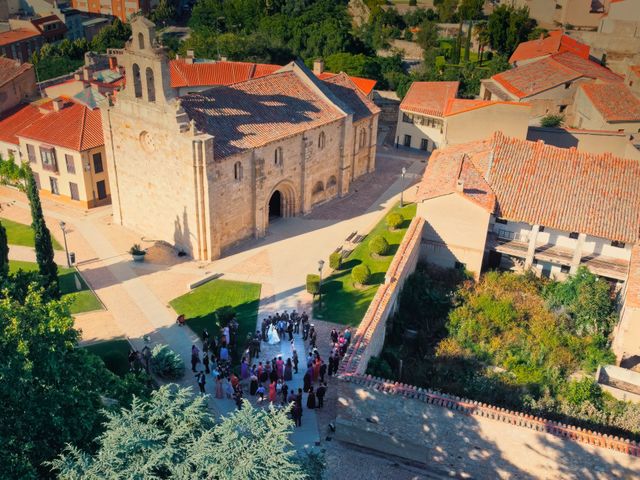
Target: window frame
x: 70, y: 162
x: 48, y: 159
x: 95, y: 165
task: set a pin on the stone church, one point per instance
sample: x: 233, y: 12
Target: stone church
x: 206, y: 170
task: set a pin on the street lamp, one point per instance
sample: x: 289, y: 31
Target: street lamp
x: 320, y: 265
x: 64, y: 234
x: 404, y: 170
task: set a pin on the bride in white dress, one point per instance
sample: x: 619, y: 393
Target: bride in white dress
x: 272, y: 335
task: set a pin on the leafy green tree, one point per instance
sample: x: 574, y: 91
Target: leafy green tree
x: 507, y: 27
x: 163, y: 12
x: 50, y: 390
x: 113, y: 36
x: 43, y: 246
x: 446, y: 10
x: 552, y: 121
x: 173, y: 435
x: 4, y: 253
x: 429, y: 39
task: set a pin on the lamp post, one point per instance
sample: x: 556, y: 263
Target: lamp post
x: 64, y: 235
x: 404, y: 170
x: 320, y: 265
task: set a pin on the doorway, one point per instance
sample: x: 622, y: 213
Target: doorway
x: 275, y: 205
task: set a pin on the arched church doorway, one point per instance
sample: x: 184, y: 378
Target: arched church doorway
x: 275, y: 205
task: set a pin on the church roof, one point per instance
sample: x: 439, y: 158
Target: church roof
x: 259, y: 111
x: 343, y: 86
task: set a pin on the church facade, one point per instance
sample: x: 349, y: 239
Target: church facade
x: 207, y: 170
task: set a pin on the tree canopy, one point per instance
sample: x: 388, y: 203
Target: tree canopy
x: 173, y: 435
x: 507, y: 27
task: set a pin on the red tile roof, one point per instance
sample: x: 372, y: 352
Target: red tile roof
x: 461, y: 105
x: 429, y: 98
x: 536, y: 77
x: 183, y: 74
x: 75, y: 127
x: 635, y: 69
x: 614, y: 101
x: 343, y: 86
x: 200, y: 74
x: 10, y: 69
x: 566, y: 189
x: 15, y: 120
x: 365, y: 85
x: 556, y: 42
x: 12, y: 36
x: 259, y: 111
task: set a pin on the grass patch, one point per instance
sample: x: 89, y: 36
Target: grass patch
x: 83, y: 300
x: 199, y: 306
x: 114, y: 354
x: 344, y: 303
x: 21, y: 234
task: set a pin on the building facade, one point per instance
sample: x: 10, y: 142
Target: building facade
x: 20, y: 44
x: 526, y: 205
x: 207, y: 170
x: 17, y: 83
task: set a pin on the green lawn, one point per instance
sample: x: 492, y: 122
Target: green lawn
x: 200, y: 305
x: 21, y: 234
x: 114, y: 354
x: 342, y: 302
x: 82, y: 301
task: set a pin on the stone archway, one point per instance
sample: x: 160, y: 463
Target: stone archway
x: 281, y: 203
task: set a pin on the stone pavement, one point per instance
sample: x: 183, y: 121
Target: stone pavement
x: 28, y: 254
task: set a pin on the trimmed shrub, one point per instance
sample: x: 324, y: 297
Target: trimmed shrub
x: 313, y: 284
x: 394, y: 220
x: 335, y: 260
x: 166, y: 363
x: 552, y: 121
x: 379, y: 245
x: 361, y: 274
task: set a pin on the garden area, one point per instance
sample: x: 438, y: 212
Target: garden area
x: 82, y: 299
x: 114, y: 354
x: 213, y: 304
x: 22, y: 235
x: 346, y: 294
x: 515, y: 341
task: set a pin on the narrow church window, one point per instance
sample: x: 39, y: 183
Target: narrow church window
x: 318, y: 188
x: 141, y: 41
x: 332, y: 182
x: 137, y: 84
x: 321, y: 140
x: 363, y: 138
x: 237, y: 171
x: 151, y: 86
x: 278, y: 157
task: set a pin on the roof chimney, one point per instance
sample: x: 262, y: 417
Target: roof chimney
x: 58, y: 104
x: 541, y: 36
x: 189, y: 57
x: 460, y: 185
x: 318, y: 66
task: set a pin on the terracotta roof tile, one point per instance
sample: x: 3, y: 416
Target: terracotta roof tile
x: 12, y: 36
x: 566, y: 189
x: 342, y: 86
x: 586, y: 67
x: 429, y: 98
x: 365, y: 85
x: 259, y: 111
x: 10, y: 69
x: 614, y: 101
x: 15, y: 120
x: 75, y: 127
x: 635, y: 69
x: 556, y: 42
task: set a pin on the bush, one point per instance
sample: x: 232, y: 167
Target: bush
x: 361, y: 274
x: 335, y: 260
x: 224, y: 315
x: 394, y: 220
x: 313, y: 284
x: 166, y: 363
x: 413, y: 3
x: 379, y: 245
x: 552, y: 121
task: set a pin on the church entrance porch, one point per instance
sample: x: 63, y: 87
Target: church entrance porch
x: 275, y: 205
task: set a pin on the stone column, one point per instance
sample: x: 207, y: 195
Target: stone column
x: 531, y: 250
x: 577, y: 253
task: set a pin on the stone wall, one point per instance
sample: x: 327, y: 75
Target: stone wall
x: 369, y: 338
x: 400, y: 419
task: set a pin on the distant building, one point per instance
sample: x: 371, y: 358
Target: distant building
x: 622, y: 18
x: 515, y: 204
x: 123, y: 9
x: 581, y: 14
x: 63, y: 143
x: 50, y: 27
x: 590, y: 141
x: 607, y: 106
x: 431, y: 117
x: 555, y: 42
x: 20, y: 44
x: 633, y: 79
x: 17, y: 83
x: 549, y: 85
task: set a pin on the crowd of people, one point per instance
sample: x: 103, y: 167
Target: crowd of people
x: 269, y: 380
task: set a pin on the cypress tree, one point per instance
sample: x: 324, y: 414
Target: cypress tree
x: 4, y: 253
x: 44, y: 247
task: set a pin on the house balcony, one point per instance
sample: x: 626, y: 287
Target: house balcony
x: 601, y: 265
